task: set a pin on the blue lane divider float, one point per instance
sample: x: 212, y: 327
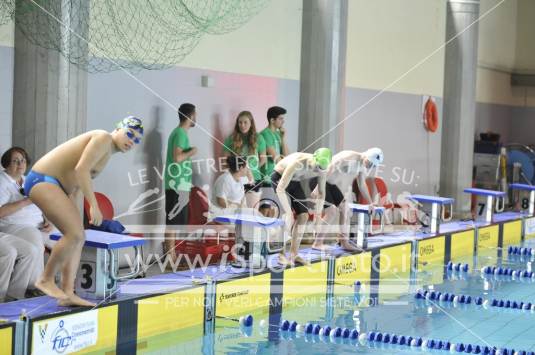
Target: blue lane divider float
x: 459, y: 267
x: 479, y: 301
x: 446, y: 297
x: 375, y: 337
x: 436, y: 344
x: 317, y: 329
x: 508, y: 273
x: 512, y: 250
x: 525, y: 306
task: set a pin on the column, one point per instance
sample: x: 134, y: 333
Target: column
x: 322, y: 82
x: 50, y: 93
x: 459, y: 102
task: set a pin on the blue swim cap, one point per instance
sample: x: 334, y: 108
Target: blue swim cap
x: 131, y: 122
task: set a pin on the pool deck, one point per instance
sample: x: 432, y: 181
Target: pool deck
x: 171, y: 282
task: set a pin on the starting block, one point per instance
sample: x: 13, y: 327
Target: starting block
x: 485, y: 203
x: 98, y: 272
x: 363, y: 228
x: 253, y: 229
x: 527, y: 205
x: 435, y: 209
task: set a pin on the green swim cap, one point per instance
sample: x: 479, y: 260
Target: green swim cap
x: 323, y: 157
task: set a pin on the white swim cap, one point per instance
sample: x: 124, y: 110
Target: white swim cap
x: 374, y: 155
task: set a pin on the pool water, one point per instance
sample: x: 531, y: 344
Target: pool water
x: 394, y: 311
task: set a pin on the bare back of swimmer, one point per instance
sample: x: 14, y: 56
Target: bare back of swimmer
x: 53, y: 185
x: 286, y: 179
x: 346, y: 166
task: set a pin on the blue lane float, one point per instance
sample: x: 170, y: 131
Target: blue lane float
x: 478, y: 301
x: 437, y: 344
x: 459, y: 267
x: 337, y: 335
x: 508, y: 273
x: 524, y: 306
x: 444, y: 297
x: 513, y: 250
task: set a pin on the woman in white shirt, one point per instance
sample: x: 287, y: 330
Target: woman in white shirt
x: 19, y: 217
x: 228, y: 188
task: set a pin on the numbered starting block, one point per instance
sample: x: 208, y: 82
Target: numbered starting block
x: 362, y: 223
x: 527, y: 204
x: 253, y: 229
x: 98, y: 273
x: 488, y: 202
x: 436, y: 209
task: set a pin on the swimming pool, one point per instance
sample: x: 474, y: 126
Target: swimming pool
x: 393, y: 310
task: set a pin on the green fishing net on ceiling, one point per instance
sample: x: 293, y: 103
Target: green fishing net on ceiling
x: 105, y: 35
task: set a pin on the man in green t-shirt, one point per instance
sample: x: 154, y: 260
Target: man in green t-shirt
x: 178, y: 173
x: 274, y: 137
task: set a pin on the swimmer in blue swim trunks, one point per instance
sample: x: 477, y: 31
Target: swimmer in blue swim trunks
x: 54, y: 184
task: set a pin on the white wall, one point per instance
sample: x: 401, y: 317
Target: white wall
x: 268, y: 45
x: 496, y: 52
x: 497, y: 34
x: 505, y: 47
x: 525, y: 45
x: 6, y: 84
x: 393, y: 122
x: 387, y: 38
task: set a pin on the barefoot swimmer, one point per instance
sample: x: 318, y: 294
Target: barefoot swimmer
x: 346, y: 166
x: 54, y: 184
x: 286, y: 178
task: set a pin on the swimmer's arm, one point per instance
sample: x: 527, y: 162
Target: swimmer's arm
x: 97, y: 147
x: 321, y: 198
x: 76, y: 197
x: 363, y: 188
x: 345, y: 214
x: 283, y: 184
x: 344, y: 218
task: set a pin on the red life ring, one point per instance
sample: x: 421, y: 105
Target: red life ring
x: 431, y: 116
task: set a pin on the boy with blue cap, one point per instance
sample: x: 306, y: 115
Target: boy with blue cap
x: 54, y: 185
